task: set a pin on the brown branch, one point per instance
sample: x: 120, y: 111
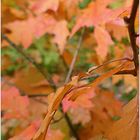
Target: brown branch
x: 74, y: 57
x: 46, y: 75
x: 132, y: 34
x: 131, y: 72
x: 67, y: 79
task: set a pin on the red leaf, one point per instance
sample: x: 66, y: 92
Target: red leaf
x: 14, y: 105
x: 84, y: 100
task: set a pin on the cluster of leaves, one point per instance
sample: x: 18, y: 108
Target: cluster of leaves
x: 50, y: 32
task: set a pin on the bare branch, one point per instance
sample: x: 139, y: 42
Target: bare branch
x: 45, y: 75
x: 74, y: 57
x: 67, y: 79
x: 132, y: 34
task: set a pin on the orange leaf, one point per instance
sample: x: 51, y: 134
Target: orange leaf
x: 62, y: 91
x: 61, y: 33
x: 40, y: 6
x: 103, y: 40
x: 25, y: 31
x: 73, y: 100
x: 14, y: 105
x: 105, y: 107
x: 28, y: 133
x: 127, y: 127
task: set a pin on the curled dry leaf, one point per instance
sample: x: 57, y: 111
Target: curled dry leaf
x: 62, y: 91
x: 52, y: 108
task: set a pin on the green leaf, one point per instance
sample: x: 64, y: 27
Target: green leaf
x: 116, y: 118
x: 129, y: 96
x: 84, y: 4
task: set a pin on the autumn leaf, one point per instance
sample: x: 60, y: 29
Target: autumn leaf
x: 106, y: 106
x: 95, y: 15
x: 84, y: 100
x: 11, y: 100
x: 118, y: 29
x: 53, y: 134
x: 40, y: 6
x: 35, y: 27
x: 37, y: 83
x: 62, y: 91
x: 97, y: 102
x: 80, y: 115
x: 127, y: 127
x: 60, y: 37
x: 28, y: 133
x: 103, y: 40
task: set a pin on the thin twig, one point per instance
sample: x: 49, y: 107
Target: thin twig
x: 132, y: 34
x: 45, y: 75
x: 74, y: 57
x: 38, y: 95
x: 67, y: 79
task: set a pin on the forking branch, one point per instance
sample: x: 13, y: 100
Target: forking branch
x: 132, y: 34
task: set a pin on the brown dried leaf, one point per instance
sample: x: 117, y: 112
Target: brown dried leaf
x: 62, y: 91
